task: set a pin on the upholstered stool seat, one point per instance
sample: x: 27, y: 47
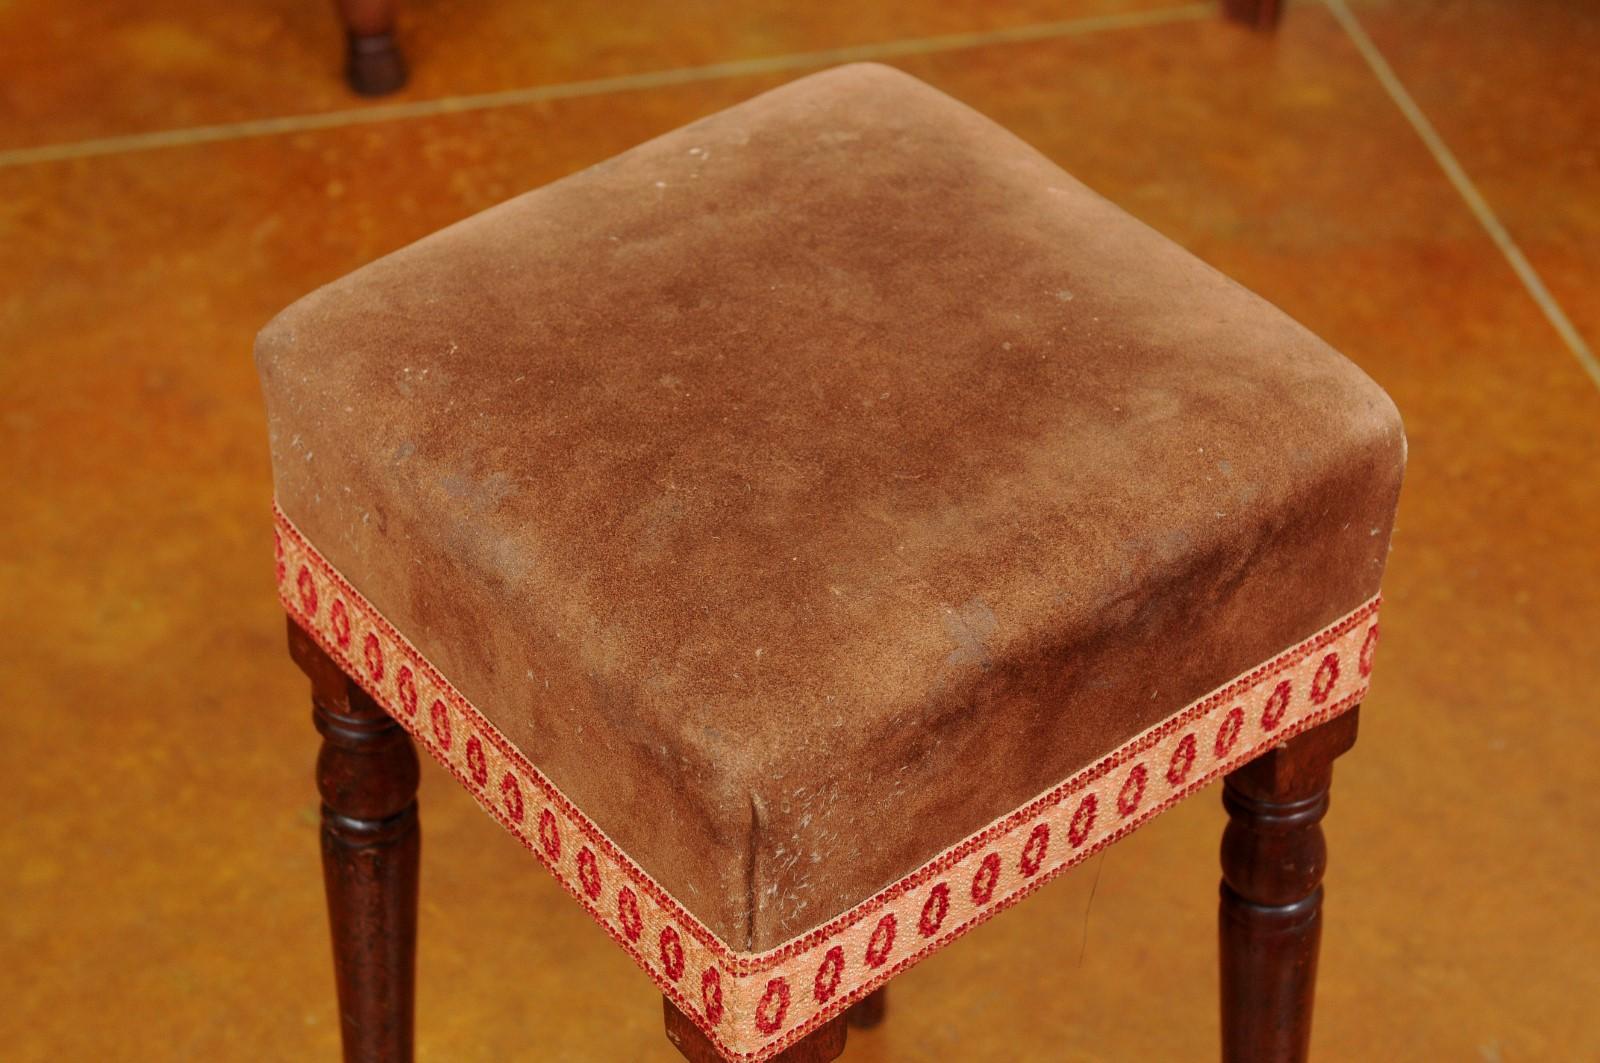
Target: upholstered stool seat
x: 812, y: 530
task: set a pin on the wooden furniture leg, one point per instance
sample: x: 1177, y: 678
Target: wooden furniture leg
x: 373, y: 64
x: 1257, y: 14
x: 1273, y: 856
x: 821, y: 1045
x: 367, y: 775
x: 869, y: 1011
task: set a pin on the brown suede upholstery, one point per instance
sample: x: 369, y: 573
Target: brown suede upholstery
x: 807, y: 487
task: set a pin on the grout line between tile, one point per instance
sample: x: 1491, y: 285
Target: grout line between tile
x: 1469, y: 192
x: 446, y: 105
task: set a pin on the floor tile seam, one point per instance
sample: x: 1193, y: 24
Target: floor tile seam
x: 1468, y: 190
x: 658, y: 79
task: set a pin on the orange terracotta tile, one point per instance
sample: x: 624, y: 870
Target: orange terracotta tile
x: 1511, y: 89
x: 160, y: 861
x: 82, y: 71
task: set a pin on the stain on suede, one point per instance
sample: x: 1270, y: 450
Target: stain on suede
x: 968, y: 628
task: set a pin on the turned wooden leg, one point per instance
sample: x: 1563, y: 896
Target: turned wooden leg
x: 869, y: 1011
x: 1257, y: 14
x: 367, y: 775
x: 1273, y: 856
x: 373, y: 64
x: 821, y: 1045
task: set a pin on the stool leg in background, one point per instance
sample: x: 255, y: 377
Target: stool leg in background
x: 373, y: 64
x: 1273, y: 856
x: 367, y: 774
x: 1257, y: 14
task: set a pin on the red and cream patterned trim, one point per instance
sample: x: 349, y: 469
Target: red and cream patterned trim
x: 753, y: 1005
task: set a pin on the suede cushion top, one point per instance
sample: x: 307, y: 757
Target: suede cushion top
x: 809, y: 486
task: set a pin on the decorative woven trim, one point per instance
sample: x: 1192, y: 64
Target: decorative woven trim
x: 753, y: 1005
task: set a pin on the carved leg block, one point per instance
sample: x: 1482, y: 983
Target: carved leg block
x: 367, y: 776
x: 870, y: 1010
x: 373, y: 64
x: 1273, y: 856
x: 821, y: 1045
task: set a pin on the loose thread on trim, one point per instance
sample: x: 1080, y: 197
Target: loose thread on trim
x: 1094, y: 887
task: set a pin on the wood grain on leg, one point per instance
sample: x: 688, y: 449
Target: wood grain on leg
x: 821, y: 1045
x: 1273, y: 856
x: 367, y: 775
x: 373, y: 64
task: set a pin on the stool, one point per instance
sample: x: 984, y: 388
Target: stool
x: 809, y: 533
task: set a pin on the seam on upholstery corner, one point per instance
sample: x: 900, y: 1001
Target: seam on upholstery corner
x: 750, y: 897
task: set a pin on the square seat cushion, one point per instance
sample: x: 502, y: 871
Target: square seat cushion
x: 812, y: 530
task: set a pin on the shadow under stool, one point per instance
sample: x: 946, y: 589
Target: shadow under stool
x: 809, y: 533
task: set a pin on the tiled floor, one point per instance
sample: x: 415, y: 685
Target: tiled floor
x: 158, y: 861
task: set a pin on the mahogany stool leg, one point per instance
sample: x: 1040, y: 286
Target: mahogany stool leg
x: 1273, y: 856
x: 1257, y: 14
x: 373, y: 64
x: 869, y: 1011
x: 821, y: 1045
x: 367, y: 775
